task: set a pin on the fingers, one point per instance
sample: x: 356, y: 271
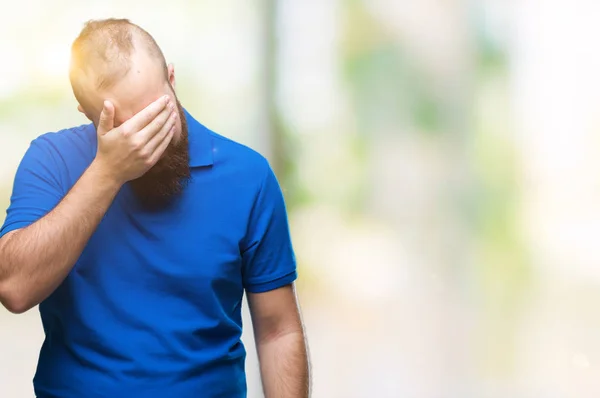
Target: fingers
x: 158, y: 138
x: 154, y: 127
x: 162, y: 147
x: 107, y: 118
x: 145, y: 116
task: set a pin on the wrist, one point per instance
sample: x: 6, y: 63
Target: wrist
x: 103, y: 177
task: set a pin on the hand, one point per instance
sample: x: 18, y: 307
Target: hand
x: 128, y: 151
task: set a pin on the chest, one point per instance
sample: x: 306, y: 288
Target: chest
x: 194, y: 245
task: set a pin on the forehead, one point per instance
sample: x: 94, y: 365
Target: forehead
x: 144, y: 82
x: 134, y: 92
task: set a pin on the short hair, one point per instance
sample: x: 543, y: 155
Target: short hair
x: 103, y: 50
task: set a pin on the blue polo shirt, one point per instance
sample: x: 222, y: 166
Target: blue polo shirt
x: 152, y: 308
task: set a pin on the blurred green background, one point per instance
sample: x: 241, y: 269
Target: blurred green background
x: 439, y: 159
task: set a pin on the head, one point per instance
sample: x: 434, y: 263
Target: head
x: 117, y: 60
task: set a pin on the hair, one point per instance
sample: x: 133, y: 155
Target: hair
x: 103, y: 51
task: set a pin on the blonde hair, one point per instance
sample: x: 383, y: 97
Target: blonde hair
x: 103, y: 52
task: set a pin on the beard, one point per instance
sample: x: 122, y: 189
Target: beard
x: 167, y: 179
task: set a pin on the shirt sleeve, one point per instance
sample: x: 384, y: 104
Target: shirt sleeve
x: 268, y: 260
x: 36, y: 188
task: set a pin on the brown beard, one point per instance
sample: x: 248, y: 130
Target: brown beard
x: 167, y: 179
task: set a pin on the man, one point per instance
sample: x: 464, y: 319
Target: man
x: 137, y: 236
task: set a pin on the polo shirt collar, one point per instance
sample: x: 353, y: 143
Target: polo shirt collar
x: 200, y: 143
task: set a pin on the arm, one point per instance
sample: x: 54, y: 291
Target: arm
x: 281, y: 343
x: 269, y: 271
x: 36, y: 258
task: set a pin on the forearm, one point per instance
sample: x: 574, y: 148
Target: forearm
x: 36, y: 259
x: 284, y: 366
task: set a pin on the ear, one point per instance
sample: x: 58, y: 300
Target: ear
x: 171, y: 75
x: 80, y: 109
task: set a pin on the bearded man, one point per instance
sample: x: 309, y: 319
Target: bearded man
x: 138, y: 235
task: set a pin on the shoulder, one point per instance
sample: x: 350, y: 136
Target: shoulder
x: 66, y: 142
x: 236, y: 157
x: 62, y: 155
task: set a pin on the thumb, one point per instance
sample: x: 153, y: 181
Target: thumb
x: 107, y: 118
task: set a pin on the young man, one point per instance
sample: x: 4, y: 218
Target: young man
x: 137, y: 236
